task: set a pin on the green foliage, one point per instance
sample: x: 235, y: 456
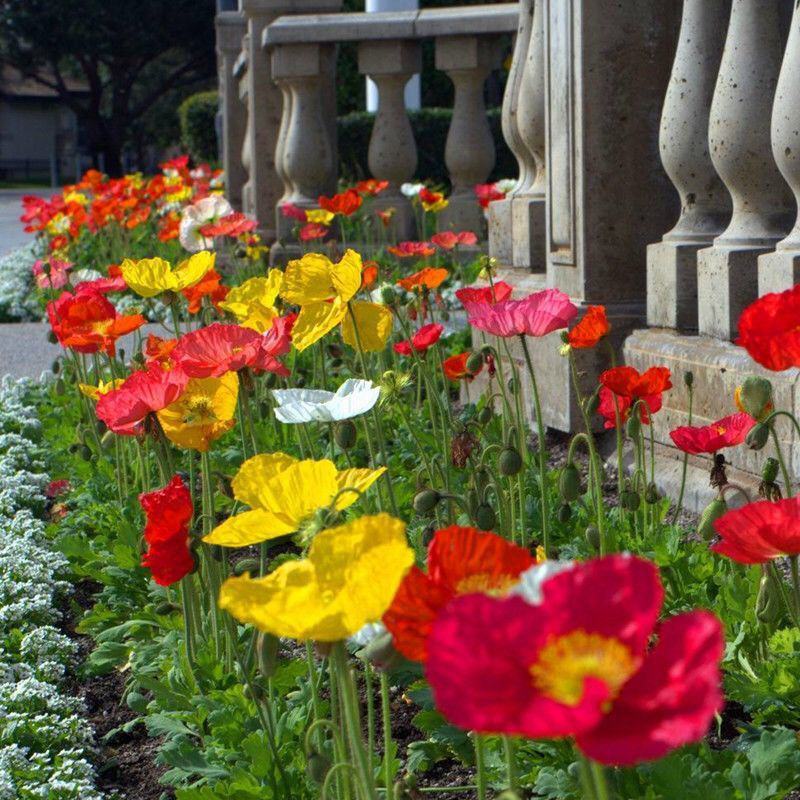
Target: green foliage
x: 430, y: 126
x: 197, y: 115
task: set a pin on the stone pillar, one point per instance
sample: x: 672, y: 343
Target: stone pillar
x: 392, y: 149
x: 305, y: 150
x: 739, y: 137
x: 781, y: 270
x: 246, y: 156
x: 528, y: 201
x: 499, y: 212
x: 265, y: 102
x: 705, y: 204
x: 469, y: 152
x: 230, y: 30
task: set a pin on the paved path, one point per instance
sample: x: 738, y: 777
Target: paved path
x: 11, y: 233
x: 25, y: 351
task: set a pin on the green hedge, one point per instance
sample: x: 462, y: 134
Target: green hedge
x: 430, y: 126
x: 197, y: 115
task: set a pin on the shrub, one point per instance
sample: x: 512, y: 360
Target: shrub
x: 198, y: 116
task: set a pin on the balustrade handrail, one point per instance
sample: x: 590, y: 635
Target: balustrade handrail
x: 426, y: 23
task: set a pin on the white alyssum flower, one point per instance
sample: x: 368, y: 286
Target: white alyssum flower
x: 505, y: 185
x: 18, y: 297
x: 353, y: 398
x: 411, y: 189
x: 198, y: 215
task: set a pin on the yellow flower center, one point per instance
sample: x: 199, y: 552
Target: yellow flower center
x: 565, y: 662
x: 720, y: 429
x: 199, y: 411
x: 486, y: 583
x: 101, y: 326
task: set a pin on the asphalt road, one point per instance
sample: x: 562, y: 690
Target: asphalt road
x: 11, y: 233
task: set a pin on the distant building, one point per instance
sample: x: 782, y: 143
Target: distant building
x: 40, y: 138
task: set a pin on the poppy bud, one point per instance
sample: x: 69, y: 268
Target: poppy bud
x: 769, y: 604
x: 485, y: 518
x: 137, y: 360
x: 485, y: 415
x: 569, y: 483
x: 336, y: 363
x: 216, y: 552
x: 137, y: 702
x: 271, y: 380
x: 60, y: 388
x: 512, y: 385
x: 651, y: 495
x: 688, y: 378
x: 267, y: 649
x: 252, y: 565
x: 107, y: 440
x: 508, y: 794
x: 473, y: 501
x: 711, y: 513
x: 100, y: 427
x: 345, y: 434
x: 389, y: 295
x: 253, y: 691
x: 769, y: 472
x: 633, y: 426
x: 55, y: 367
x: 592, y: 534
x: 426, y: 500
x: 564, y: 513
x: 758, y: 436
x: 630, y: 500
x: 85, y: 453
x: 52, y: 338
x: 474, y: 362
x: 381, y: 652
x: 427, y: 535
x: 224, y: 486
x: 510, y: 461
x: 317, y: 766
x: 591, y: 403
x: 166, y: 608
x: 755, y: 396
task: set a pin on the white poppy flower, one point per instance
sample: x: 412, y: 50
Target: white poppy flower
x: 367, y: 634
x: 353, y: 398
x: 412, y: 189
x: 531, y: 581
x: 197, y: 216
x: 505, y: 185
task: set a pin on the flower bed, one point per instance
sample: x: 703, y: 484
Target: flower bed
x: 321, y: 574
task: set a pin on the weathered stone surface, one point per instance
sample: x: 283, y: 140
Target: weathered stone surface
x: 672, y: 285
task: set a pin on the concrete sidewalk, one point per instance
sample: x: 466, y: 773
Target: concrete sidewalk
x: 11, y: 233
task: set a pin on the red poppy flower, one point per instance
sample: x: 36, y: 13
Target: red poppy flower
x: 553, y: 667
x: 113, y: 283
x: 727, y: 432
x: 769, y: 330
x: 455, y: 367
x: 291, y: 211
x: 460, y: 561
x: 88, y: 323
x: 159, y: 351
x: 168, y: 512
x: 277, y: 341
x: 210, y: 286
x: 369, y: 274
x: 610, y: 403
x: 428, y: 278
x: 487, y: 193
x: 425, y: 337
x: 759, y: 532
x: 627, y: 382
x: 57, y: 488
x: 313, y: 230
x: 447, y: 240
x: 386, y: 216
x: 590, y: 330
x: 219, y: 348
x: 495, y: 293
x: 234, y: 224
x: 344, y: 203
x: 139, y: 216
x: 371, y: 186
x: 412, y: 250
x: 144, y: 392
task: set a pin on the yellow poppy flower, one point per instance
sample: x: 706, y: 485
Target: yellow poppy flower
x: 284, y: 493
x: 319, y: 216
x: 151, y: 276
x: 348, y: 579
x: 253, y: 303
x: 203, y: 413
x: 104, y: 387
x: 323, y: 291
x: 435, y: 208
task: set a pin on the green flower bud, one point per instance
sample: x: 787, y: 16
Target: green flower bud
x: 85, y: 453
x: 591, y: 404
x: 381, y: 652
x: 711, y: 513
x: 251, y: 565
x: 426, y: 500
x: 688, y: 378
x: 769, y: 472
x: 564, y: 513
x: 769, y: 603
x: 60, y: 387
x: 389, y: 295
x: 755, y: 396
x: 317, y: 767
x: 634, y: 425
x: 475, y: 362
x: 651, y: 495
x: 345, y: 434
x: 52, y: 338
x: 136, y: 702
x: 569, y: 483
x: 509, y: 461
x: 267, y: 650
x: 55, y: 367
x: 485, y: 518
x: 427, y: 535
x: 630, y: 500
x: 592, y: 534
x: 758, y: 436
x: 485, y: 415
x: 166, y: 608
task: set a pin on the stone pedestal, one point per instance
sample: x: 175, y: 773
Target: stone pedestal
x: 672, y: 285
x: 231, y: 27
x: 778, y: 271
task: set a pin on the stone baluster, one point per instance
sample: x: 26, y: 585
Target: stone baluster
x: 499, y: 212
x: 306, y: 149
x: 246, y: 157
x: 392, y: 149
x: 230, y: 30
x: 283, y: 224
x: 781, y: 270
x: 469, y: 151
x: 528, y: 201
x: 683, y: 140
x: 739, y: 138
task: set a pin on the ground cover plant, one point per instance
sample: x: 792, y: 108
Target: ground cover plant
x: 329, y: 556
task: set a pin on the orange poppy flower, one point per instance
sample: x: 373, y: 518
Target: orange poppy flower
x: 210, y: 287
x: 170, y: 228
x: 386, y: 216
x: 158, y: 351
x: 311, y: 231
x: 412, y: 250
x: 371, y: 186
x: 590, y: 330
x: 447, y: 240
x: 139, y: 216
x: 455, y: 367
x: 369, y: 274
x: 344, y: 203
x: 460, y: 561
x: 427, y: 278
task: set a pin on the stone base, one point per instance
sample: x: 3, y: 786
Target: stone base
x: 727, y: 282
x: 500, y: 238
x: 283, y: 251
x: 718, y: 368
x: 463, y: 214
x: 404, y: 223
x: 778, y: 271
x: 528, y: 233
x: 672, y: 285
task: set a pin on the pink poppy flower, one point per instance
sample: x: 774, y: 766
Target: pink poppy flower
x: 448, y: 240
x: 52, y: 274
x: 727, y: 432
x: 535, y: 315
